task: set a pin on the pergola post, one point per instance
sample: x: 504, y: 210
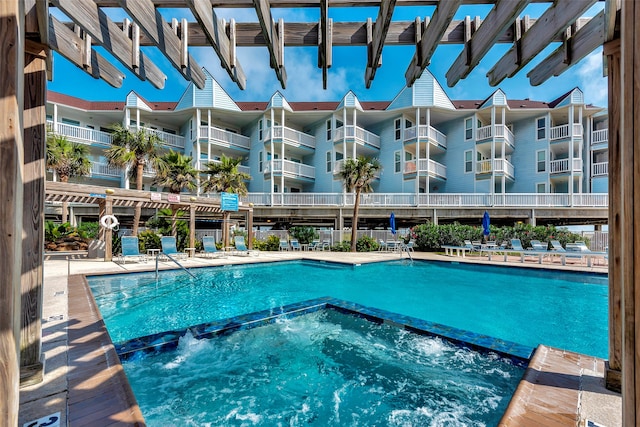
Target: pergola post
x: 192, y: 226
x: 11, y: 197
x: 108, y: 233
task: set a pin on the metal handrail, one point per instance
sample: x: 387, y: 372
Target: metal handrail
x: 174, y: 260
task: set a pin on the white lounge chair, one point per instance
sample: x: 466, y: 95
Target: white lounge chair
x: 210, y: 248
x: 284, y: 245
x: 131, y: 249
x: 295, y: 245
x: 241, y: 247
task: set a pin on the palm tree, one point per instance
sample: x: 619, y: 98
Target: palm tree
x: 133, y: 150
x: 224, y: 176
x: 177, y: 174
x: 68, y: 160
x: 357, y: 175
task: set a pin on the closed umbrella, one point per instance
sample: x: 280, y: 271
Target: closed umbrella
x: 392, y: 223
x: 485, y: 224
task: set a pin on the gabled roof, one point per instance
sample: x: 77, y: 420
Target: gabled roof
x: 568, y: 98
x: 426, y: 91
x: 71, y: 101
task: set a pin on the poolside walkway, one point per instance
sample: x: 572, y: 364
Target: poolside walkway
x: 84, y: 384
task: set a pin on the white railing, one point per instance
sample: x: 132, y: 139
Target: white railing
x: 292, y: 136
x: 600, y: 136
x: 241, y: 168
x: 428, y: 166
x: 432, y: 134
x: 600, y: 169
x: 358, y: 135
x: 562, y: 166
x: 495, y: 165
x: 224, y: 137
x: 292, y: 169
x: 80, y: 134
x: 501, y: 131
x: 471, y: 200
x: 166, y: 137
x: 104, y: 169
x: 337, y: 166
x: 562, y: 131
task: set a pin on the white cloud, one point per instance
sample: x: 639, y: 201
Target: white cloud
x: 591, y: 80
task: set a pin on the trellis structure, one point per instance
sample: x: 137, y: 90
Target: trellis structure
x: 28, y: 34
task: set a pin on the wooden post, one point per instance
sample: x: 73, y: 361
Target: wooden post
x: 192, y: 226
x: 249, y: 221
x: 31, y: 358
x: 108, y: 233
x: 613, y: 374
x: 11, y: 198
x: 628, y: 240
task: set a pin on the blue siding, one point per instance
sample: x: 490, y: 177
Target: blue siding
x: 600, y: 185
x: 524, y: 157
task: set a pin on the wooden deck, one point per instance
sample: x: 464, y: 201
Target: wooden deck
x: 99, y: 392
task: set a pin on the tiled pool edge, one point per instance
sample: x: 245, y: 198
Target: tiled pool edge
x: 519, y: 354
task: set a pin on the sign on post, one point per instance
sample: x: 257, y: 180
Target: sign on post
x: 229, y: 202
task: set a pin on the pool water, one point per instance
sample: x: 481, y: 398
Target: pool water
x: 561, y: 309
x: 323, y: 368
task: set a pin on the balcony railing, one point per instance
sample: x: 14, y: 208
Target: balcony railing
x: 224, y: 137
x: 430, y: 133
x: 291, y: 169
x: 562, y: 131
x: 104, y: 169
x: 600, y: 169
x: 472, y: 200
x: 600, y: 136
x: 166, y: 137
x: 501, y: 131
x: 501, y: 166
x: 562, y: 165
x: 291, y: 136
x: 357, y: 135
x: 426, y: 166
x: 80, y: 134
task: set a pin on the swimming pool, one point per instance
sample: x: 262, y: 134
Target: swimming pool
x: 326, y: 365
x: 562, y: 309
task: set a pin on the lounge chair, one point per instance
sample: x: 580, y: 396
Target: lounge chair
x: 537, y: 245
x: 295, y: 245
x: 241, y: 247
x: 314, y: 245
x: 557, y: 246
x: 284, y: 245
x: 169, y: 247
x: 131, y: 249
x: 210, y: 248
x: 326, y: 244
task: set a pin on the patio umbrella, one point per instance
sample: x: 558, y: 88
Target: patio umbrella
x: 392, y: 223
x: 485, y: 223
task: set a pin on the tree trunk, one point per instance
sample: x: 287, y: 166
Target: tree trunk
x: 65, y: 205
x: 137, y: 212
x: 354, y: 221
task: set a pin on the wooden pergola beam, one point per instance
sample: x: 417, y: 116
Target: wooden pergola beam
x: 496, y: 23
x: 247, y: 4
x: 104, y: 32
x: 550, y: 25
x: 579, y: 45
x: 380, y: 29
x: 432, y: 34
x: 160, y: 32
x: 325, y: 41
x: 272, y: 38
x: 70, y: 46
x: 214, y: 31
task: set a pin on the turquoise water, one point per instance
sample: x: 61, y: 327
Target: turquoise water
x: 565, y: 310
x: 323, y: 369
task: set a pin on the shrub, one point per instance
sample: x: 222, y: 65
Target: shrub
x: 271, y: 243
x: 89, y: 229
x: 366, y: 244
x: 304, y: 234
x: 149, y: 240
x: 344, y: 246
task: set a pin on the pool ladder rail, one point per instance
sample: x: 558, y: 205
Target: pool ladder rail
x: 174, y: 260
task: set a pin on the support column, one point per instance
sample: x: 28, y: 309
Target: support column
x: 248, y: 220
x: 11, y: 195
x: 192, y: 226
x: 108, y: 233
x: 613, y: 372
x: 35, y: 134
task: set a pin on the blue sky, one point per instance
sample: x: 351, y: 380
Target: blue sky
x: 304, y: 81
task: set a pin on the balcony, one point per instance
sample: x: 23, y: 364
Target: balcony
x: 496, y: 166
x: 357, y: 135
x: 562, y: 166
x: 600, y: 136
x: 558, y: 133
x: 291, y: 169
x: 600, y: 169
x: 241, y: 168
x: 426, y: 133
x: 105, y: 170
x: 225, y: 138
x: 290, y: 137
x: 167, y: 138
x: 80, y: 134
x: 495, y: 132
x: 426, y: 167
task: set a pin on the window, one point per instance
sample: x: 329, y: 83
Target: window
x: 70, y: 122
x: 468, y: 161
x: 468, y: 129
x: 541, y: 160
x: 541, y: 128
x: 328, y: 130
x: 397, y: 125
x: 260, y: 128
x: 90, y: 127
x: 260, y: 160
x: 541, y: 187
x: 408, y: 123
x: 169, y: 131
x: 398, y: 162
x: 329, y: 165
